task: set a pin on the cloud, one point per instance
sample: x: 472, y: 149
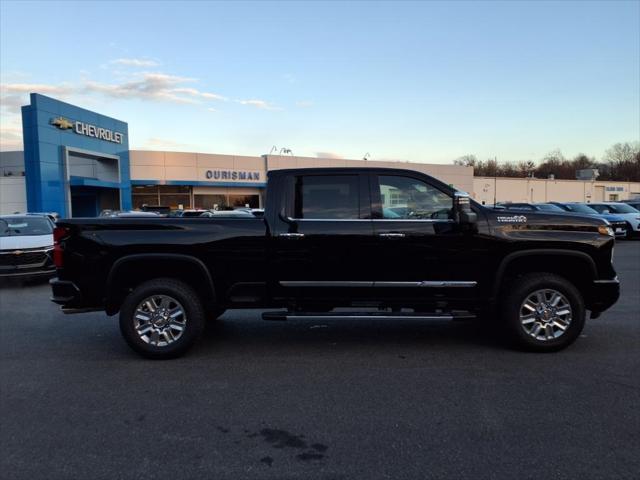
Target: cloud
x: 164, y: 143
x: 12, y: 95
x: 154, y: 86
x: 196, y: 93
x: 10, y: 132
x: 261, y: 104
x: 332, y: 155
x: 135, y: 62
x: 304, y: 103
x: 10, y: 137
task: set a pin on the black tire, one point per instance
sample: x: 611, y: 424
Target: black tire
x: 629, y: 235
x: 519, y: 290
x: 180, y: 291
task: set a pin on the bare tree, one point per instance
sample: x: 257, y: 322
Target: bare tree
x: 466, y: 161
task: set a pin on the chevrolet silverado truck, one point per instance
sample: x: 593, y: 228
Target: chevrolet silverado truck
x: 337, y: 243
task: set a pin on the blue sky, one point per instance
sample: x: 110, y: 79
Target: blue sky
x: 417, y: 81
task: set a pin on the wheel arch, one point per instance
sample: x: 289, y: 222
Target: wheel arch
x: 573, y: 265
x: 131, y: 270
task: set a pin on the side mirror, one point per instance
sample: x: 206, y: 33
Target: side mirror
x: 462, y: 209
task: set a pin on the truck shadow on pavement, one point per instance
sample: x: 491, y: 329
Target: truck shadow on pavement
x: 347, y: 334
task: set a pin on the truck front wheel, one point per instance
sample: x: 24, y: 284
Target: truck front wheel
x: 543, y: 312
x: 162, y: 318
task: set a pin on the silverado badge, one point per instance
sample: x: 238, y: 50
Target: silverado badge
x: 512, y: 219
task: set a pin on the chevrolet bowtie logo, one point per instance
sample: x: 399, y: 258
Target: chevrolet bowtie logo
x: 17, y: 252
x: 62, y: 123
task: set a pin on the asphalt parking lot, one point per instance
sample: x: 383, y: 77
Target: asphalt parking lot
x: 303, y: 400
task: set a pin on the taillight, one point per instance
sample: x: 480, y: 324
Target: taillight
x: 58, y: 234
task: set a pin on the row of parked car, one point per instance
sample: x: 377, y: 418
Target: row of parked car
x: 624, y: 217
x: 187, y: 213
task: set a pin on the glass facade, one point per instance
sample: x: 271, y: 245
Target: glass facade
x: 174, y: 196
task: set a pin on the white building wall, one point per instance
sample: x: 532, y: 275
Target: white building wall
x: 190, y: 166
x: 489, y: 189
x: 13, y: 195
x: 13, y: 191
x: 187, y: 166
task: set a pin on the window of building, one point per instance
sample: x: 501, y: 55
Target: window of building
x: 614, y: 197
x: 409, y: 198
x: 327, y: 197
x: 252, y: 201
x: 144, y: 195
x: 210, y: 202
x: 166, y: 195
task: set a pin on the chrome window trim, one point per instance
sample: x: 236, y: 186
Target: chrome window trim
x: 304, y: 283
x: 368, y: 317
x: 427, y: 220
x: 381, y: 284
x: 429, y: 284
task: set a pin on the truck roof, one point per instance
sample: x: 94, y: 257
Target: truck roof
x: 289, y: 171
x: 356, y: 170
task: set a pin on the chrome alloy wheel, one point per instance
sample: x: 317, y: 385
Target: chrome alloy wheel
x: 545, y: 314
x: 160, y: 320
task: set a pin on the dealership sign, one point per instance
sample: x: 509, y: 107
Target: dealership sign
x: 88, y: 130
x: 232, y: 175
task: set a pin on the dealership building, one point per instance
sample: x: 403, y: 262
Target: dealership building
x: 77, y: 162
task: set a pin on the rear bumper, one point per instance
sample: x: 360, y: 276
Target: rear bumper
x: 64, y: 292
x: 604, y: 293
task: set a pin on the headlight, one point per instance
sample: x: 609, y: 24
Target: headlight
x: 605, y: 230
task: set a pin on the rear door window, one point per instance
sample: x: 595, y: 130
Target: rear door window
x: 330, y: 197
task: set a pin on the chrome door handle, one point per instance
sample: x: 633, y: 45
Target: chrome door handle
x: 291, y: 235
x: 391, y: 235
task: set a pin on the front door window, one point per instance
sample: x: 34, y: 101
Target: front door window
x: 405, y: 198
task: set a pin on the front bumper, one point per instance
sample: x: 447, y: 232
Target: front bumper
x: 604, y: 293
x: 619, y: 228
x: 30, y: 262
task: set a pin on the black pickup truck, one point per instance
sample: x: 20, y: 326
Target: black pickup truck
x: 335, y: 243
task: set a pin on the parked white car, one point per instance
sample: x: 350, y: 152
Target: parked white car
x: 26, y: 245
x: 627, y: 212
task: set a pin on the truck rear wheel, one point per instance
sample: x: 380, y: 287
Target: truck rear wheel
x: 162, y: 318
x: 543, y: 312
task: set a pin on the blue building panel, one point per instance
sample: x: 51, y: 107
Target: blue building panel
x: 49, y: 126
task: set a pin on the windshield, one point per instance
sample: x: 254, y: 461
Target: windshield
x: 578, y: 208
x: 21, y: 226
x: 622, y: 208
x: 549, y: 207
